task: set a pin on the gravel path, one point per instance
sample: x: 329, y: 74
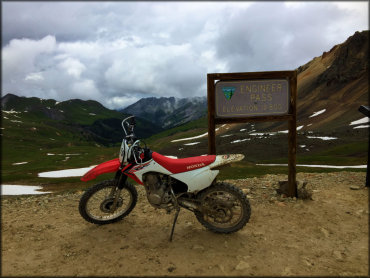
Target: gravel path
x: 44, y: 235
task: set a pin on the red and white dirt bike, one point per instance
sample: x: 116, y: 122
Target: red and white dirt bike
x: 169, y: 183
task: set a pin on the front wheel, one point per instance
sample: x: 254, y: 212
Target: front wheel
x: 224, y: 208
x: 101, y: 205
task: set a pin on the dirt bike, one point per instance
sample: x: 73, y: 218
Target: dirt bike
x: 169, y: 183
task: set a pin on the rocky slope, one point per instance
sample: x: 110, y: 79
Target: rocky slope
x: 337, y: 82
x: 169, y: 112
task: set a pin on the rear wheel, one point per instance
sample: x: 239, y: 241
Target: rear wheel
x: 224, y: 208
x: 97, y: 203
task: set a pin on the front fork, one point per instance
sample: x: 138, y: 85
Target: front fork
x: 120, y: 179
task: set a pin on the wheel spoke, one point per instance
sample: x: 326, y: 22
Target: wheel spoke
x: 223, y: 209
x: 98, y: 206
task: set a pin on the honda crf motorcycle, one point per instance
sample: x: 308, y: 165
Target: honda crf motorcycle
x: 169, y: 183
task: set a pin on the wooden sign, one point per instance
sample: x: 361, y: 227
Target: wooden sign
x: 254, y: 96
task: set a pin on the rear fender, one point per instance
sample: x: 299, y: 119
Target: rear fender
x: 105, y: 167
x: 222, y: 160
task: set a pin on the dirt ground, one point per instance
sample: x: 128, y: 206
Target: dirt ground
x: 44, y: 235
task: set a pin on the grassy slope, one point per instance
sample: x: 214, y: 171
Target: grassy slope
x: 34, y: 146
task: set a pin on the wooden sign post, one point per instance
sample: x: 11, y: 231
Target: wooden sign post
x: 253, y: 97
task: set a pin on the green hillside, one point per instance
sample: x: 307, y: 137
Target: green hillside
x: 48, y: 135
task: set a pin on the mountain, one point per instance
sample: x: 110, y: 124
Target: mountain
x: 331, y: 88
x: 337, y: 81
x: 168, y: 112
x: 87, y: 120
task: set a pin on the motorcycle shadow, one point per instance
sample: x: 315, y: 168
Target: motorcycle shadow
x: 153, y: 232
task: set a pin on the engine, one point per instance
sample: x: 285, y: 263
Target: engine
x: 158, y: 190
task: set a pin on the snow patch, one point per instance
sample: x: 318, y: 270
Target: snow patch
x: 243, y: 129
x: 190, y: 138
x: 300, y: 127
x: 19, y: 163
x: 226, y: 135
x: 10, y: 189
x: 320, y: 166
x: 361, y: 126
x: 65, y: 173
x: 360, y: 121
x: 92, y: 114
x: 190, y: 144
x: 63, y: 154
x: 171, y: 156
x: 265, y: 133
x: 240, y: 140
x: 325, y: 138
x: 15, y: 121
x: 11, y: 112
x: 317, y: 113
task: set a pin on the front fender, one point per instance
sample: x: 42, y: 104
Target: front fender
x: 105, y: 167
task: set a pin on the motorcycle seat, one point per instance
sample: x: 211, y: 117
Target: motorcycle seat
x: 180, y: 165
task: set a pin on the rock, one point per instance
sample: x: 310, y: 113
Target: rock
x: 287, y: 271
x: 338, y: 255
x: 246, y: 190
x: 306, y: 262
x: 257, y: 234
x: 304, y: 190
x: 188, y: 224
x: 273, y: 199
x: 242, y: 265
x: 355, y: 187
x: 221, y: 267
x: 324, y: 232
x: 171, y: 268
x: 198, y: 247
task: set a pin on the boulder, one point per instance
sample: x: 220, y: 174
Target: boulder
x: 304, y: 190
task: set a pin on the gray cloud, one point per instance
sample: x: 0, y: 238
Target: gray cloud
x: 272, y: 36
x: 118, y: 52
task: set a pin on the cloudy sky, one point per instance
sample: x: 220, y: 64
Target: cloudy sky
x: 119, y: 52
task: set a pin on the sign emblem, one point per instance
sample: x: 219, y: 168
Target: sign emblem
x: 228, y: 92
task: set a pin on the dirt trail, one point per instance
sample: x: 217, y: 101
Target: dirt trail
x: 44, y: 235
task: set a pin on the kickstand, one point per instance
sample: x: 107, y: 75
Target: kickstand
x: 174, y: 222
